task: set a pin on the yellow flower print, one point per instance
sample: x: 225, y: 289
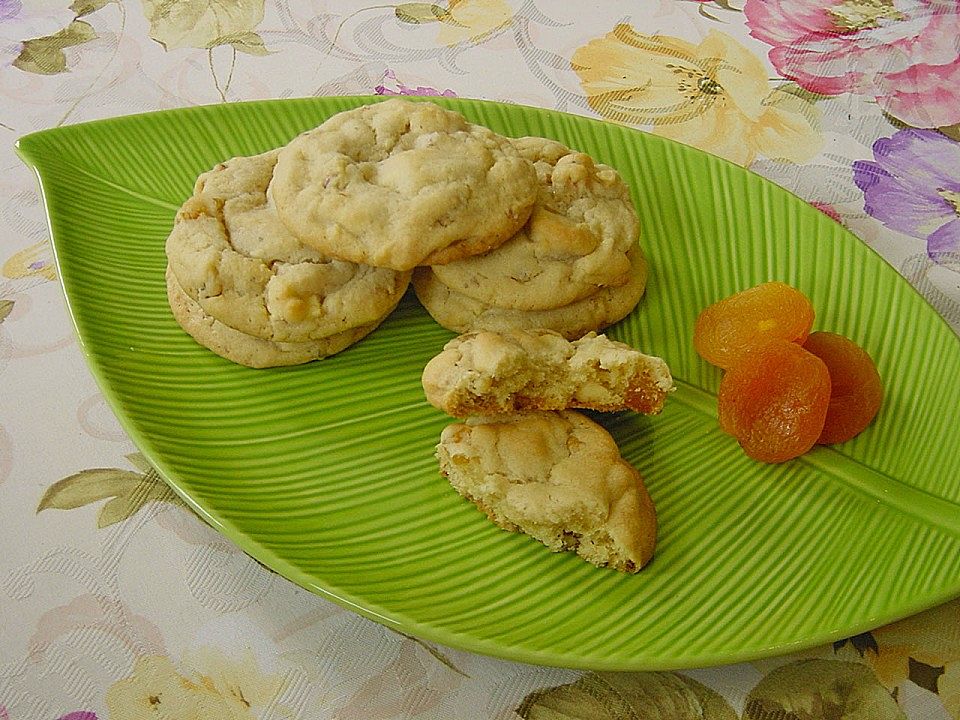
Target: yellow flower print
x: 238, y: 681
x: 932, y: 638
x: 948, y: 687
x: 33, y: 261
x: 473, y: 20
x: 219, y: 688
x: 715, y: 96
x: 156, y: 690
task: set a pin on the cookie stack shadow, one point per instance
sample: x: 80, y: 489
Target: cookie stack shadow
x: 295, y: 254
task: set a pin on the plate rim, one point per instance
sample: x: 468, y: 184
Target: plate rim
x: 394, y: 620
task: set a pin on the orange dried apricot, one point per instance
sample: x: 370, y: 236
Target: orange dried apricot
x: 856, y: 390
x: 774, y: 400
x: 730, y: 327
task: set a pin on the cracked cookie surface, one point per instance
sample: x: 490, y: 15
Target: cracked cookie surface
x: 233, y: 256
x: 575, y: 242
x: 558, y: 477
x: 399, y: 183
x: 460, y: 313
x: 246, y: 349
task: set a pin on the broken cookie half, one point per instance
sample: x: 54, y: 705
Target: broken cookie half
x: 558, y: 477
x: 488, y: 373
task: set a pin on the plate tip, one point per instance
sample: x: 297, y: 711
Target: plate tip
x: 21, y: 146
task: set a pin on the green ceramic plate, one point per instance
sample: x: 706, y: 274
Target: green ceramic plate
x: 325, y: 472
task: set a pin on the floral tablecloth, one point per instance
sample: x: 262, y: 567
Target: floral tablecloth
x: 117, y: 602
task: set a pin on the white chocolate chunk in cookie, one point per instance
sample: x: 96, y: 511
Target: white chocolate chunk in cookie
x: 558, y: 477
x: 250, y: 350
x: 488, y: 373
x: 576, y: 241
x: 233, y: 256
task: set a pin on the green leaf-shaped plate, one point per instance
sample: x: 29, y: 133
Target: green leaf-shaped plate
x: 326, y: 473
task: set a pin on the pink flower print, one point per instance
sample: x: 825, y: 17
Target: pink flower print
x: 903, y: 53
x: 75, y: 715
x: 389, y: 76
x: 9, y: 9
x: 827, y: 209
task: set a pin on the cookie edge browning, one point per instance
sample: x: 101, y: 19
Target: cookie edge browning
x: 615, y: 210
x: 248, y: 350
x: 202, y: 216
x: 461, y: 314
x: 645, y: 539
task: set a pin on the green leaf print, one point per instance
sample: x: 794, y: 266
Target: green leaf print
x: 85, y: 7
x: 128, y: 491
x: 45, y: 56
x: 6, y: 307
x: 951, y: 131
x: 821, y: 690
x: 140, y: 462
x: 117, y: 509
x: 627, y: 696
x: 87, y: 486
x: 203, y: 23
x: 248, y: 42
x: 418, y: 13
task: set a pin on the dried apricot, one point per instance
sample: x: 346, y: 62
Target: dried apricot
x: 774, y: 400
x: 856, y: 390
x: 730, y: 327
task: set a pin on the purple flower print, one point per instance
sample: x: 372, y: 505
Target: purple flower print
x: 75, y: 715
x: 9, y: 9
x: 913, y: 186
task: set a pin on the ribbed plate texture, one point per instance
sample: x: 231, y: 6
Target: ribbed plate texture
x: 326, y: 472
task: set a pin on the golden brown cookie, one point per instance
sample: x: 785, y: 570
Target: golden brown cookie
x: 488, y: 373
x: 575, y: 242
x: 558, y: 477
x: 461, y: 314
x: 233, y: 256
x: 246, y: 349
x: 399, y: 183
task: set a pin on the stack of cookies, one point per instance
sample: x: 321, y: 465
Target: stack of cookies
x: 240, y: 283
x: 528, y: 461
x: 575, y: 266
x: 297, y: 253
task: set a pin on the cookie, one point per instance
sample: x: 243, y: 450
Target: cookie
x: 461, y: 314
x: 487, y: 373
x: 398, y: 184
x: 575, y: 242
x: 233, y: 256
x: 246, y: 349
x: 558, y: 477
